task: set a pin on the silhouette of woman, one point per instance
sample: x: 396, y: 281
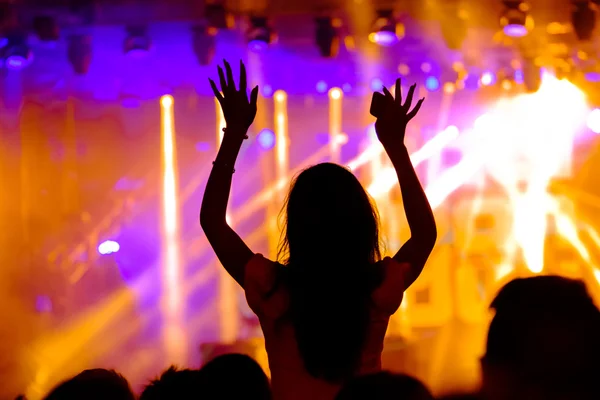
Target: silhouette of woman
x: 324, y: 309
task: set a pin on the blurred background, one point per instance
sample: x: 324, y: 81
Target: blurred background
x: 108, y: 130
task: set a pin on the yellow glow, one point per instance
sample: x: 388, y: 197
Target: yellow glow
x: 335, y: 123
x: 220, y: 122
x: 386, y: 178
x: 281, y: 134
x: 171, y: 263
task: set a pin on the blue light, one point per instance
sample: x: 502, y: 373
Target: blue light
x: 321, y: 86
x: 267, y: 91
x: 384, y: 38
x: 432, y: 83
x: 346, y: 87
x: 376, y: 85
x: 108, y: 247
x: 266, y: 139
x: 515, y: 30
x: 519, y: 78
x: 258, y: 45
x: 16, y: 62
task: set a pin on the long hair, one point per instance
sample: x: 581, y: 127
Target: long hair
x: 330, y: 243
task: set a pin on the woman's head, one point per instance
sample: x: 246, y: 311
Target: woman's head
x: 332, y: 240
x: 330, y: 215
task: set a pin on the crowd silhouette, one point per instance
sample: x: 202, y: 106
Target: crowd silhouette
x: 325, y: 304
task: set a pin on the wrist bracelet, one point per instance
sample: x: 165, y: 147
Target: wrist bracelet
x: 224, y: 165
x: 245, y: 136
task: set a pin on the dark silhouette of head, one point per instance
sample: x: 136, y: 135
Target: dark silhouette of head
x: 93, y: 384
x: 384, y: 386
x: 331, y: 240
x: 542, y: 341
x: 174, y: 383
x: 234, y: 376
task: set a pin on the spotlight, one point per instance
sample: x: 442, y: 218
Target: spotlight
x: 386, y: 30
x: 46, y: 29
x: 327, y: 37
x: 266, y: 139
x: 260, y: 35
x: 217, y: 16
x: 16, y: 52
x: 593, y: 121
x: 488, y: 78
x: 203, y: 43
x: 583, y: 19
x: 432, y: 83
x: 137, y: 43
x: 108, y: 247
x: 514, y: 19
x: 79, y: 53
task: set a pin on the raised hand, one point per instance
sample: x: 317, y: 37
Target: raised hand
x: 238, y: 110
x: 395, y: 116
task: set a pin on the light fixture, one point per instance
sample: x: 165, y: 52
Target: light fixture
x: 327, y: 36
x: 138, y: 42
x: 386, y: 31
x: 16, y: 52
x: 79, y: 53
x: 203, y: 43
x: 260, y: 35
x: 514, y: 21
x: 583, y: 19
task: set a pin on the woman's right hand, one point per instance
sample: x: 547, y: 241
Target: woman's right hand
x: 238, y: 110
x: 395, y: 116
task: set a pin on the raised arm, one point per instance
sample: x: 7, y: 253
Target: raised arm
x: 391, y: 129
x: 239, y: 113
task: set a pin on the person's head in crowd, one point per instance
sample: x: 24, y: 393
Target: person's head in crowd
x: 93, y: 384
x: 543, y: 341
x: 174, y: 383
x: 384, y: 386
x: 234, y: 376
x: 330, y: 242
x: 460, y: 396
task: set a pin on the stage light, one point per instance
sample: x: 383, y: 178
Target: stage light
x: 583, y: 19
x: 519, y: 79
x: 267, y: 91
x: 137, y: 42
x: 266, y: 139
x: 593, y: 121
x: 260, y: 35
x: 108, y: 247
x: 488, y: 78
x: 346, y: 87
x: 46, y: 29
x: 16, y: 53
x: 321, y: 86
x: 432, y: 83
x: 386, y: 30
x: 514, y: 21
x: 376, y: 85
x: 79, y: 53
x: 327, y: 36
x: 203, y: 43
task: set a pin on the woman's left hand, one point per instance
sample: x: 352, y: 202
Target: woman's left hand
x: 238, y: 110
